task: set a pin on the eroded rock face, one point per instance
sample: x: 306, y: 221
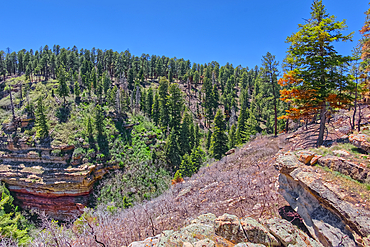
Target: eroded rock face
x: 44, y: 182
x: 328, y: 217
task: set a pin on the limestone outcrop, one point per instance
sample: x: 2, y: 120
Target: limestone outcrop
x: 228, y: 230
x: 328, y: 215
x: 43, y: 181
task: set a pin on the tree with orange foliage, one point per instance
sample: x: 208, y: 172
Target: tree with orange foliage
x: 315, y: 85
x: 365, y: 42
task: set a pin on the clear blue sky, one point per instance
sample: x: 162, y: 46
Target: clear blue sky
x: 236, y: 31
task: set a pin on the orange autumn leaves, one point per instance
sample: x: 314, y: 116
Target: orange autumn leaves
x: 303, y: 100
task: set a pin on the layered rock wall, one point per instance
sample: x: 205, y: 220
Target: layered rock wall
x: 42, y: 181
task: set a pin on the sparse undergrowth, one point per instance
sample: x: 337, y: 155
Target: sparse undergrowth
x: 242, y: 184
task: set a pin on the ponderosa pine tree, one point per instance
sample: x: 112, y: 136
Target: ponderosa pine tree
x: 269, y: 76
x: 218, y: 146
x: 232, y: 137
x: 172, y: 151
x: 184, y: 137
x: 77, y: 90
x: 42, y: 128
x: 63, y: 89
x: 99, y: 120
x: 175, y: 106
x: 149, y: 102
x: 155, y: 109
x: 163, y: 105
x: 319, y: 86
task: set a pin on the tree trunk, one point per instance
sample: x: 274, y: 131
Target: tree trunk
x: 359, y: 119
x: 320, y: 140
x: 354, y: 111
x: 275, y: 117
x: 287, y: 125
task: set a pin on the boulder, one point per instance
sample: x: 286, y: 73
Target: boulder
x: 290, y: 235
x: 245, y: 230
x: 360, y: 141
x: 356, y: 171
x: 305, y: 156
x: 148, y: 242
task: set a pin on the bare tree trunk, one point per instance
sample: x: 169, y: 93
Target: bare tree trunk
x: 320, y: 140
x: 275, y: 116
x: 287, y: 125
x: 354, y: 111
x: 359, y: 119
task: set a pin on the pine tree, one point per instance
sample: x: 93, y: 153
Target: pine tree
x: 186, y: 167
x: 99, y: 120
x: 218, y: 146
x: 232, y: 137
x: 175, y: 106
x: 163, y: 99
x: 149, y: 102
x: 270, y: 73
x: 155, y: 109
x: 172, y: 151
x: 319, y: 87
x: 41, y: 122
x: 63, y: 90
x: 209, y: 99
x: 77, y: 90
x: 184, y: 138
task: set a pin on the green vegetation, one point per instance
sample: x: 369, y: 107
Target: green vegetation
x: 12, y: 224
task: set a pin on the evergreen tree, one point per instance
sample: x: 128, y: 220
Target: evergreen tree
x: 232, y: 137
x: 175, y: 106
x: 218, y: 146
x: 106, y: 83
x: 314, y: 56
x: 155, y: 109
x: 41, y: 122
x: 209, y: 99
x: 172, y: 151
x: 63, y: 90
x: 99, y: 120
x: 270, y: 74
x: 77, y: 90
x: 149, y: 102
x: 184, y: 138
x: 93, y: 78
x: 163, y: 99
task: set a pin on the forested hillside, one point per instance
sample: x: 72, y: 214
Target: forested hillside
x: 119, y: 129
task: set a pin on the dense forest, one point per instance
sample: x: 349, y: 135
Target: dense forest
x: 162, y: 118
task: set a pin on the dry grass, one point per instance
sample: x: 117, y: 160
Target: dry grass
x: 242, y: 184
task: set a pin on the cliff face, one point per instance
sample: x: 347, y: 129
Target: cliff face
x: 331, y: 215
x: 42, y: 181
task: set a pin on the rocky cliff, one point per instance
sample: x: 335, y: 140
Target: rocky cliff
x: 43, y: 181
x: 332, y: 214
